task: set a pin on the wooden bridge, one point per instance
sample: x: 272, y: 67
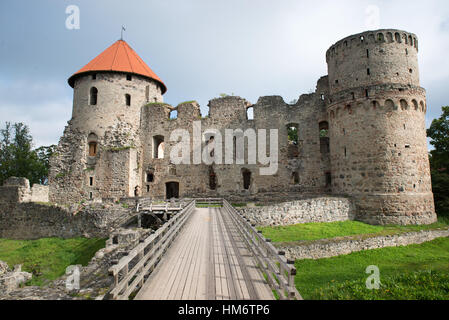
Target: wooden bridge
x: 206, y: 251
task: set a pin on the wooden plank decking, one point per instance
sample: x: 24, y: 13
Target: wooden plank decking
x: 207, y: 261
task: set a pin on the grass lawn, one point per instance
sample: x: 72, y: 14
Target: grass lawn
x: 48, y: 258
x: 418, y: 272
x: 327, y: 230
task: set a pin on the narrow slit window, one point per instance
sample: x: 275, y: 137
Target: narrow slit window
x: 328, y: 179
x: 91, y: 181
x: 246, y: 179
x: 128, y: 99
x: 93, y: 96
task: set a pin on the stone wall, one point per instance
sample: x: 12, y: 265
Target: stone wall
x: 361, y: 134
x: 376, y: 111
x: 39, y: 193
x: 28, y: 221
x: 17, y: 190
x: 327, y: 248
x: 319, y: 209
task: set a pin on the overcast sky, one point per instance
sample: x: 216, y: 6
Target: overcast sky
x: 199, y: 48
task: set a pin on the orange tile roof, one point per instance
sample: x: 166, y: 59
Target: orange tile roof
x: 119, y: 57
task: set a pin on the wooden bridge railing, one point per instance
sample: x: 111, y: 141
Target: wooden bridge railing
x: 150, y: 205
x: 209, y: 201
x: 130, y: 272
x: 279, y: 272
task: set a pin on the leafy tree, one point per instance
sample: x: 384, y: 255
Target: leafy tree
x: 439, y: 161
x: 17, y: 157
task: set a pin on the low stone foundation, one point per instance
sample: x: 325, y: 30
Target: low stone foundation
x: 314, y: 209
x: 29, y: 221
x: 327, y: 248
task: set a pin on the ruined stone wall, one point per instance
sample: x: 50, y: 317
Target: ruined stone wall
x: 17, y: 190
x: 28, y: 221
x: 317, y: 209
x: 231, y: 113
x: 377, y: 128
x: 328, y: 248
x: 360, y: 134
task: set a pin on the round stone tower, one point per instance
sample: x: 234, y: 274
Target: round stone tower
x: 99, y: 154
x: 376, y: 111
x: 113, y: 88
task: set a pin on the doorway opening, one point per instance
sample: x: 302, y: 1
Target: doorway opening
x: 172, y: 190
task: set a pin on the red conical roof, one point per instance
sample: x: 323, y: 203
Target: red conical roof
x: 119, y: 57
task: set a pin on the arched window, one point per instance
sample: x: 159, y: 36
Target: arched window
x: 92, y: 141
x: 128, y: 99
x: 324, y: 137
x: 158, y: 147
x: 292, y: 133
x: 250, y: 113
x: 293, y: 140
x: 404, y: 105
x: 397, y: 37
x: 92, y: 149
x: 93, y: 96
x: 415, y: 104
x: 422, y: 106
x: 404, y: 36
x: 381, y: 37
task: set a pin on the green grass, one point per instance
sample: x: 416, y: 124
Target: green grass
x: 205, y: 205
x: 48, y: 258
x: 411, y: 272
x: 239, y: 205
x: 328, y: 230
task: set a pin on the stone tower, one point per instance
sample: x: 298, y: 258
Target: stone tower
x: 98, y: 156
x: 376, y: 111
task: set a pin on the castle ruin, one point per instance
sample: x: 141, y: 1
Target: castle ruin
x: 360, y: 135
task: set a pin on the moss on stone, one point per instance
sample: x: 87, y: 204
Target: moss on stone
x: 153, y: 104
x: 187, y: 102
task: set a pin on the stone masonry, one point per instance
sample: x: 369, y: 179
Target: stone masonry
x: 361, y: 136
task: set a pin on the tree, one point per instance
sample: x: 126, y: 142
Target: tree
x: 439, y: 161
x: 17, y: 157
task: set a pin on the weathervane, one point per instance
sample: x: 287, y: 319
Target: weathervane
x: 123, y: 29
